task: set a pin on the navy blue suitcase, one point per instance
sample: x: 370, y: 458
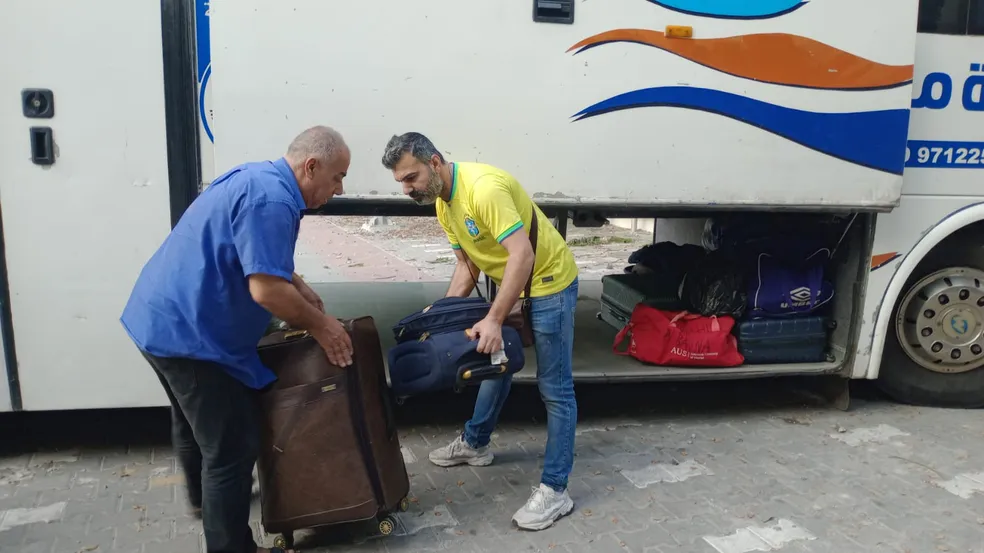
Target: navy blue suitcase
x: 444, y: 315
x: 793, y: 340
x: 449, y: 360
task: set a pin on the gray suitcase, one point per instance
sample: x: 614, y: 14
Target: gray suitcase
x: 621, y: 293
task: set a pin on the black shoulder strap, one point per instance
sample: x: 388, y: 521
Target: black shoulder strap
x: 534, y: 234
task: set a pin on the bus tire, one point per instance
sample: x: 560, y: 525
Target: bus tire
x: 940, y: 317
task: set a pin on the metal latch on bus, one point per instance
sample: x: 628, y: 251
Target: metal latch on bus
x: 553, y: 11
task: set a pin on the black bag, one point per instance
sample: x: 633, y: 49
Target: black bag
x: 715, y: 287
x: 668, y: 260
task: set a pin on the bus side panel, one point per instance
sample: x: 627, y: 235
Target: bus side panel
x: 605, y: 111
x: 946, y: 134
x: 77, y: 231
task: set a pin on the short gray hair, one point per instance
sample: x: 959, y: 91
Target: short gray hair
x: 318, y: 142
x: 413, y: 143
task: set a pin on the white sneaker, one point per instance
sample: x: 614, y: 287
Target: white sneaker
x: 459, y: 452
x: 543, y: 508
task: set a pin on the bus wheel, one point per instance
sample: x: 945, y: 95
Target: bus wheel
x: 934, y: 350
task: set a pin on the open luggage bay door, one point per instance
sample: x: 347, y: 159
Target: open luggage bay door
x: 767, y: 103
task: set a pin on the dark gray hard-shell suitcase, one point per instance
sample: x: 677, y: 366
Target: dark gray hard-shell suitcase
x: 793, y: 340
x: 622, y: 292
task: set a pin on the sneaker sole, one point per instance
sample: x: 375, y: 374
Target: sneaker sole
x: 476, y: 462
x: 568, y: 509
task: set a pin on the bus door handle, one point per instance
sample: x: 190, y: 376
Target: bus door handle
x: 42, y: 146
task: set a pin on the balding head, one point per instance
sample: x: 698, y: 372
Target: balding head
x: 320, y: 160
x: 318, y: 142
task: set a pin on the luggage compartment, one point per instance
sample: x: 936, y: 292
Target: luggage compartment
x: 329, y: 452
x: 594, y: 360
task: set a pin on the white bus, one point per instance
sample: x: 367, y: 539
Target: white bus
x: 115, y: 114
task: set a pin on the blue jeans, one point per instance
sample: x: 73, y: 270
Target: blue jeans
x: 553, y: 328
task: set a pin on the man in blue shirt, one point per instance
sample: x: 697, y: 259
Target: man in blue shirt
x: 202, y: 303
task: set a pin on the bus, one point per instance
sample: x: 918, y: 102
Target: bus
x: 628, y: 121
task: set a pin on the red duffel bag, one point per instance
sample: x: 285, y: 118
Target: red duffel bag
x: 679, y: 338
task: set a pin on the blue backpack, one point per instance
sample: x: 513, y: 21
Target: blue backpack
x: 785, y: 271
x: 779, y: 288
x: 449, y: 360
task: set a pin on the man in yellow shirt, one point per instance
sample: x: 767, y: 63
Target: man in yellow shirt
x: 486, y: 214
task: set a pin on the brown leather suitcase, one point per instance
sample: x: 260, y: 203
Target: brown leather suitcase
x: 329, y: 449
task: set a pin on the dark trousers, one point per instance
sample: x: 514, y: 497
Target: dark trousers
x: 215, y: 432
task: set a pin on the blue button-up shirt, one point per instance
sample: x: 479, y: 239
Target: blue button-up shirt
x: 192, y: 298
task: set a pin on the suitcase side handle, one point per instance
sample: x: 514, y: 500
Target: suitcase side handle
x: 476, y: 371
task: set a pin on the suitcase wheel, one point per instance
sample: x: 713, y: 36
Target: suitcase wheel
x: 285, y: 541
x: 404, y: 504
x: 386, y: 526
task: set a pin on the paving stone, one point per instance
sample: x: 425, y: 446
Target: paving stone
x: 690, y: 532
x: 43, y: 482
x: 142, y: 532
x: 68, y: 531
x: 12, y: 538
x: 43, y: 546
x: 92, y: 538
x: 191, y: 544
x: 607, y: 543
x: 645, y: 540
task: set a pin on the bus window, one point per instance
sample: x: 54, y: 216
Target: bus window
x: 945, y: 17
x: 975, y: 20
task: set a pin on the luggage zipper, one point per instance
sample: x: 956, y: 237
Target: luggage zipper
x: 437, y: 330
x: 455, y: 309
x: 359, y: 421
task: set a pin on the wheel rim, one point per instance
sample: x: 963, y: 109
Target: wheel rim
x: 940, y: 323
x: 386, y: 527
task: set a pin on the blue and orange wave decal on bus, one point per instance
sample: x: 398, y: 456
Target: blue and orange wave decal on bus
x: 873, y: 139
x: 774, y: 58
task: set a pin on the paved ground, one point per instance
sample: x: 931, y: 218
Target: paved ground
x: 753, y: 466
x: 406, y: 249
